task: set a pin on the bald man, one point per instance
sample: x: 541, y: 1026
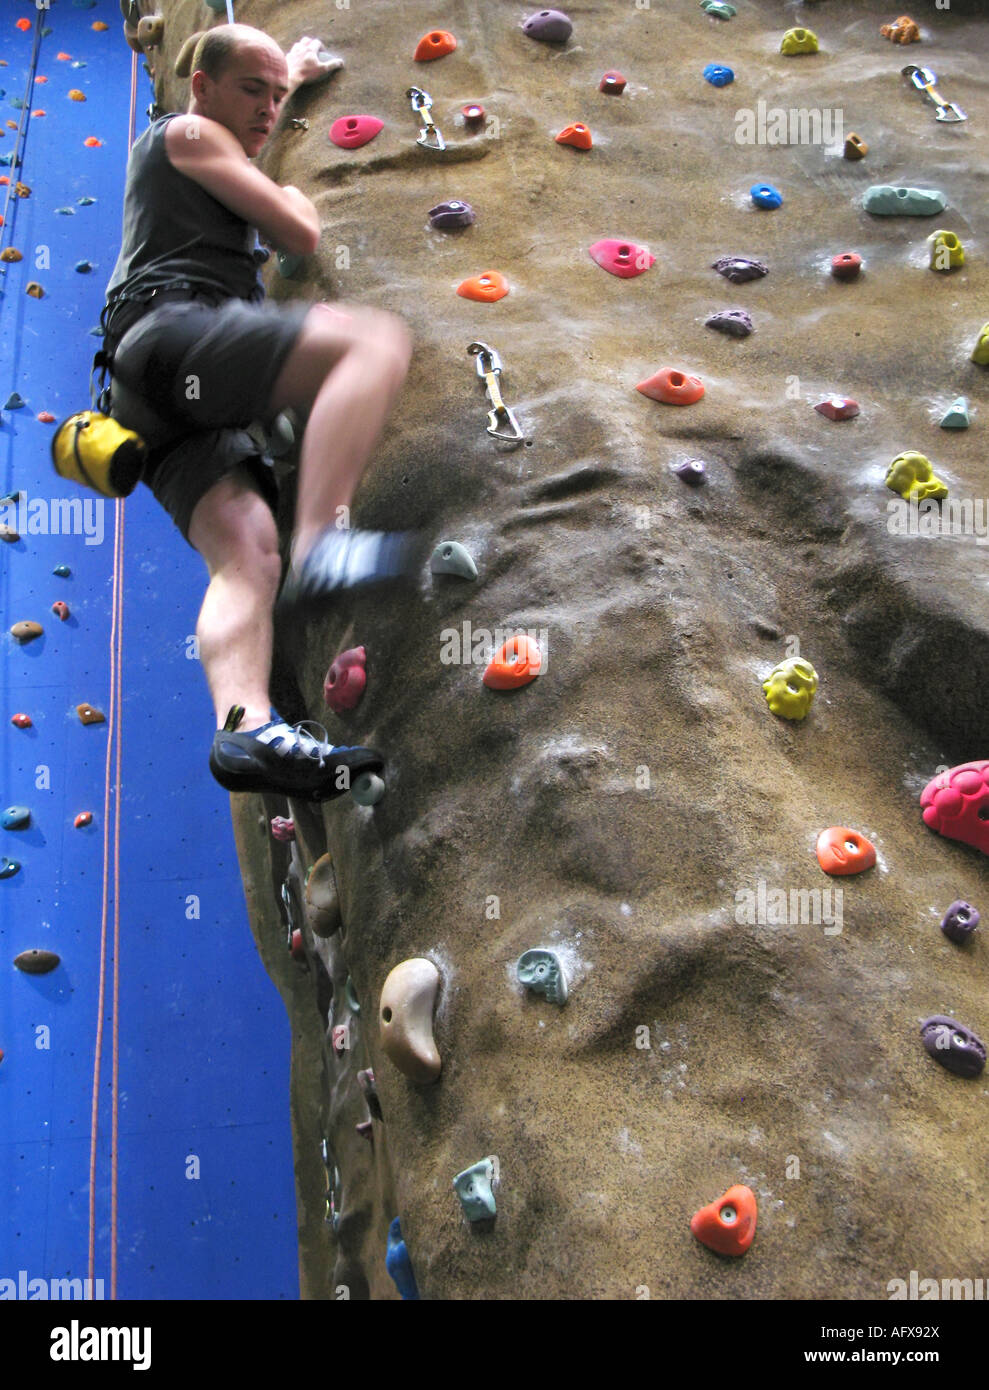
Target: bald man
x: 193, y: 342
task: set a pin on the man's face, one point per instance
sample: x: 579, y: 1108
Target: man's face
x: 248, y: 96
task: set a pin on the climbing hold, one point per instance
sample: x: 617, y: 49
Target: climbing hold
x: 577, y: 135
x: 22, y: 721
x: 66, y: 212
x: 790, y: 688
x: 89, y: 715
x: 947, y: 252
x: 349, y: 132
x: 450, y: 557
x: 883, y: 200
x: 345, y: 680
x: 451, y: 214
x: 735, y: 322
x: 473, y: 1187
x: 435, y: 44
x: 486, y: 288
x: 844, y: 851
x: 838, y: 408
x: 99, y: 26
x: 718, y: 75
x: 37, y: 962
x: 92, y: 143
x: 542, y: 972
x: 473, y: 113
x: 692, y: 471
x: 26, y: 631
x: 82, y: 819
x: 85, y: 201
x: 46, y: 417
x: 76, y: 95
x: 282, y: 828
x: 10, y: 253
x: 340, y: 1038
x: 35, y: 290
x: 910, y: 474
x: 60, y: 609
x: 83, y: 267
x: 297, y: 947
x: 150, y: 30
x: 405, y: 1018
x: 622, y: 258
x: 764, y: 195
x: 959, y: 922
x: 365, y: 1079
x: 980, y: 353
x: 719, y: 9
x: 516, y: 663
x: 288, y: 263
x: 612, y: 82
x: 902, y: 30
x: 62, y: 571
x: 956, y: 804
x: 368, y: 789
x: 365, y: 1129
x: 8, y: 534
x: 321, y: 897
x: 15, y: 818
x: 672, y: 387
x: 727, y: 1226
x: 855, y: 146
x: 846, y: 265
x: 398, y: 1264
x: 15, y: 401
x: 956, y: 1047
x: 8, y: 867
x: 956, y: 416
x: 549, y: 26
x: 798, y: 41
x: 350, y: 994
x: 738, y: 269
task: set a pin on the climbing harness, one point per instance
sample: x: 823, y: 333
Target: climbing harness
x: 429, y: 136
x: 489, y: 370
x: 924, y: 79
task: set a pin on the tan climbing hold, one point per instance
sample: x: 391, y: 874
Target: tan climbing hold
x: 11, y: 253
x: 88, y: 715
x: 26, y: 631
x: 151, y: 30
x: 35, y: 290
x: 405, y: 1015
x: 7, y: 533
x: 183, y: 63
x: 322, y: 900
x: 130, y: 34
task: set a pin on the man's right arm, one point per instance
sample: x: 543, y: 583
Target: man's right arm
x: 211, y: 156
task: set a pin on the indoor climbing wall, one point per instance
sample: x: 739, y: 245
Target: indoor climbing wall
x: 190, y: 1155
x: 633, y: 983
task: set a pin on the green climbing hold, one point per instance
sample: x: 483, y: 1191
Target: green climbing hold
x: 15, y: 818
x: 66, y: 212
x: 883, y: 200
x: 541, y: 971
x: 288, y: 264
x: 473, y: 1187
x: 14, y: 402
x: 85, y: 201
x: 719, y: 9
x: 8, y: 867
x: 62, y: 571
x: 17, y: 103
x: 368, y: 789
x: 450, y: 557
x: 351, y: 994
x: 956, y: 417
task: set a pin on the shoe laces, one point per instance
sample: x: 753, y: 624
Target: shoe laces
x: 297, y: 740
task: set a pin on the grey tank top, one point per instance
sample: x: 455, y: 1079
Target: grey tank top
x: 176, y: 232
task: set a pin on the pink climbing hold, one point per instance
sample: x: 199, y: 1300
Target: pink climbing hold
x: 838, y: 408
x: 622, y: 258
x: 282, y: 828
x: 345, y: 680
x: 351, y: 131
x: 298, y: 947
x: 956, y: 804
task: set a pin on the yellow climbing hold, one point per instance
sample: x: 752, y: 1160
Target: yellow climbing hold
x: 910, y: 474
x: 799, y: 41
x: 947, y: 252
x: 11, y: 254
x: 790, y: 687
x: 980, y: 355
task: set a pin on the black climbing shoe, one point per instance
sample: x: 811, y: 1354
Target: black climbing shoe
x: 349, y: 560
x: 285, y: 758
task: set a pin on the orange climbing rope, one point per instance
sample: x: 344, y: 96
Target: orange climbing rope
x: 20, y: 137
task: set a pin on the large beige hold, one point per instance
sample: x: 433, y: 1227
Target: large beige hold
x: 406, y: 1018
x: 322, y: 902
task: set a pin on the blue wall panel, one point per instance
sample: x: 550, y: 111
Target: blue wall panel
x: 204, y: 1041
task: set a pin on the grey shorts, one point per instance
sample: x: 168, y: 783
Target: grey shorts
x: 194, y: 376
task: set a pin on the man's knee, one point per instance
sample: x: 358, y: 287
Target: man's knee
x: 329, y: 333
x: 233, y: 529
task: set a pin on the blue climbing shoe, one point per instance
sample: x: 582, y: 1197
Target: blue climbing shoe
x: 289, y: 759
x: 348, y: 559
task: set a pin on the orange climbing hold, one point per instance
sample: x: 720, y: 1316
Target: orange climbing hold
x: 844, y: 851
x: 92, y: 141
x: 727, y: 1225
x: 99, y: 25
x: 672, y: 387
x: 45, y: 416
x: 88, y: 715
x: 436, y: 44
x: 24, y: 24
x: 64, y: 57
x: 486, y: 287
x: 517, y: 663
x: 22, y: 721
x: 76, y: 95
x: 83, y: 818
x: 39, y: 113
x: 577, y: 135
x: 11, y: 254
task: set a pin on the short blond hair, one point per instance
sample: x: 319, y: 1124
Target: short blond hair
x: 218, y: 47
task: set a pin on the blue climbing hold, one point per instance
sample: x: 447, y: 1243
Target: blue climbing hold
x: 718, y: 75
x: 66, y: 212
x: 83, y: 267
x: 398, y: 1264
x: 8, y: 867
x: 14, y: 401
x: 62, y: 571
x: 15, y: 818
x: 764, y: 195
x: 85, y: 201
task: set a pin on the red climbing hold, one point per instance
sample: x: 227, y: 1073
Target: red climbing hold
x: 727, y: 1225
x: 22, y: 721
x: 672, y: 387
x: 473, y: 113
x: 60, y: 609
x: 838, y: 408
x: 435, y: 44
x: 612, y: 82
x: 83, y: 818
x: 351, y: 131
x: 621, y: 258
x: 46, y: 417
x: 24, y: 24
x: 956, y: 804
x: 846, y: 265
x: 487, y: 287
x: 517, y: 663
x: 577, y: 135
x: 298, y: 948
x: 844, y: 851
x: 345, y: 680
x: 92, y: 141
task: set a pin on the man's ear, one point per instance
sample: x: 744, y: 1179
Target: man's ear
x: 183, y: 63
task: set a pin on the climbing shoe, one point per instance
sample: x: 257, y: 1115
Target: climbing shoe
x: 98, y: 452
x: 348, y: 560
x: 288, y: 759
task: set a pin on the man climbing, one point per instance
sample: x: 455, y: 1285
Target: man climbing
x: 192, y: 341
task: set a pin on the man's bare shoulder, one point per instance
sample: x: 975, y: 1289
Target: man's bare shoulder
x: 190, y: 139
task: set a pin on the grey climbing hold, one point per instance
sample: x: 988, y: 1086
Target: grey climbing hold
x: 368, y: 789
x: 62, y: 571
x: 956, y: 417
x: 281, y: 436
x: 14, y: 402
x: 473, y: 1187
x: 66, y: 212
x: 450, y: 557
x: 288, y: 264
x: 542, y: 972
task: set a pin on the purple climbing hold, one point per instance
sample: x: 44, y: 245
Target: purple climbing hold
x: 738, y: 269
x: 735, y: 322
x: 549, y: 26
x: 452, y: 214
x: 959, y: 922
x: 953, y: 1045
x: 692, y: 471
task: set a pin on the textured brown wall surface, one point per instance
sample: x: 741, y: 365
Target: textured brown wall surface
x: 767, y: 1042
